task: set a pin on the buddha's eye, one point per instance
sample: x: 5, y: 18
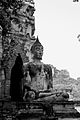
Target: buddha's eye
x: 37, y: 49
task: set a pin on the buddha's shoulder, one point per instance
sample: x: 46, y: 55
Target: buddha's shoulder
x: 33, y: 65
x: 27, y: 65
x: 47, y: 66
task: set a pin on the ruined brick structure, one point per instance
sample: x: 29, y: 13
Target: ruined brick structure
x: 18, y: 40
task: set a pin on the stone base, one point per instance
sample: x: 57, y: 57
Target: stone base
x: 49, y: 118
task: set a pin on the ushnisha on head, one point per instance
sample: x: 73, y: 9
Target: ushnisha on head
x: 37, y: 50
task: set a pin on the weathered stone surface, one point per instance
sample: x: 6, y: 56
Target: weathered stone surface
x: 63, y: 81
x: 17, y: 39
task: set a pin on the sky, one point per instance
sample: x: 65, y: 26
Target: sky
x: 57, y: 24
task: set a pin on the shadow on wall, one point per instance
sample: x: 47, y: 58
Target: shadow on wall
x: 16, y: 79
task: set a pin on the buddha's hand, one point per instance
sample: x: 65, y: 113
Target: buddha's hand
x: 32, y: 94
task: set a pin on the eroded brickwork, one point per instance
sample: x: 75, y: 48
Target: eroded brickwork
x: 18, y: 40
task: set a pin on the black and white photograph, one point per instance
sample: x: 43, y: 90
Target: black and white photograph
x: 39, y: 60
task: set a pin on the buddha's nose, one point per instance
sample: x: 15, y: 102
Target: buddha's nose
x: 40, y: 53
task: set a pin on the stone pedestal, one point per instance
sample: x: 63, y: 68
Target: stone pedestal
x: 49, y: 118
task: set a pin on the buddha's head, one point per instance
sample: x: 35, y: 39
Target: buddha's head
x: 37, y: 50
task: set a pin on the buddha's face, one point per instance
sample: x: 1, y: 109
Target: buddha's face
x: 38, y: 52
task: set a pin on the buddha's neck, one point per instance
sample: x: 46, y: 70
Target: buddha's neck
x: 37, y: 61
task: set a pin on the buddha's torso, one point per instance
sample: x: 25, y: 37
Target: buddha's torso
x: 38, y: 75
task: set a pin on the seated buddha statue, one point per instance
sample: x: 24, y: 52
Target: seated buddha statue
x: 38, y: 76
x: 38, y: 82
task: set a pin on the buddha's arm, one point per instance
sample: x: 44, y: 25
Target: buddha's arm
x: 27, y: 78
x: 25, y: 68
x: 50, y: 85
